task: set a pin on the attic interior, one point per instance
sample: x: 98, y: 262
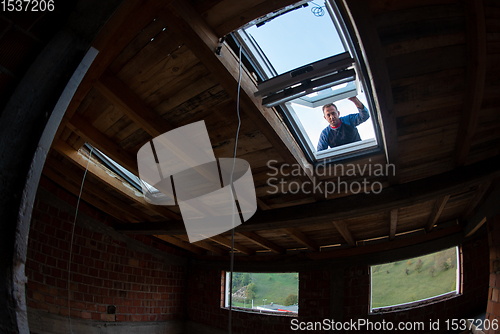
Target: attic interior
x: 89, y: 83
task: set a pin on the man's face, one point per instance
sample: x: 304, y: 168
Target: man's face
x: 332, y: 116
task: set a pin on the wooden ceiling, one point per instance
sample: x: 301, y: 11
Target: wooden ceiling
x: 434, y: 66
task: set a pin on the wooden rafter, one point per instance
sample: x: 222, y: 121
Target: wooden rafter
x: 489, y: 208
x: 131, y: 17
x: 344, y: 231
x: 96, y: 138
x: 475, y: 78
x: 127, y: 101
x: 390, y: 198
x: 394, y: 224
x: 257, y: 239
x: 302, y: 238
x: 436, y: 212
x: 202, y: 41
x: 182, y: 244
x: 114, y: 183
x: 369, y: 40
x: 134, y: 213
x: 479, y: 195
x: 205, y: 245
x: 86, y: 196
x: 226, y: 242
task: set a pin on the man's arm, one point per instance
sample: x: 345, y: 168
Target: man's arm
x: 323, y: 141
x: 363, y: 114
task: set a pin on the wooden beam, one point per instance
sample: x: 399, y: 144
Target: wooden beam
x: 394, y: 224
x: 122, y: 27
x: 205, y: 245
x: 488, y: 209
x: 86, y: 196
x: 226, y: 242
x: 302, y: 238
x: 369, y: 40
x: 436, y: 212
x: 127, y: 101
x: 96, y: 138
x: 387, y: 246
x: 180, y: 243
x: 344, y: 231
x: 475, y: 78
x: 388, y: 199
x: 99, y: 172
x: 134, y: 213
x: 201, y: 39
x: 482, y: 191
x: 255, y: 238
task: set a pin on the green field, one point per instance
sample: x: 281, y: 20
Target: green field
x: 273, y: 287
x: 391, y: 285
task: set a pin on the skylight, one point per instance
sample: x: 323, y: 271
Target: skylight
x: 304, y: 60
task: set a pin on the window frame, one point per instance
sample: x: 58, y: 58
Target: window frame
x: 263, y: 69
x: 422, y: 302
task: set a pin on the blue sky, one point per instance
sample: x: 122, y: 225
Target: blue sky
x: 296, y: 39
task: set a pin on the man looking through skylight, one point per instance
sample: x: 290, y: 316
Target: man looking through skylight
x: 341, y: 130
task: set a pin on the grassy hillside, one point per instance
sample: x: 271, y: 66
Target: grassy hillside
x: 391, y: 284
x: 273, y: 287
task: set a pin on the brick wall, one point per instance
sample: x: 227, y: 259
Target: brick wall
x: 104, y: 271
x: 472, y: 301
x: 316, y: 304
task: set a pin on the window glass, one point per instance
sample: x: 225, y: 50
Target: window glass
x: 415, y: 279
x: 264, y: 292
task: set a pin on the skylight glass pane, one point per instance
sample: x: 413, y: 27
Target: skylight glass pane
x: 297, y: 38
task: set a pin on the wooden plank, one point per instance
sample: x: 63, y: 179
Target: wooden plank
x: 226, y: 242
x: 205, y: 245
x: 476, y: 73
x: 134, y: 213
x: 479, y: 196
x: 394, y: 224
x: 113, y: 182
x: 182, y: 244
x: 83, y: 128
x: 202, y: 41
x: 124, y: 98
x: 387, y: 246
x: 487, y: 210
x: 344, y: 231
x: 378, y: 78
x: 389, y: 198
x: 436, y: 212
x: 86, y: 196
x: 302, y: 238
x: 255, y: 238
x: 130, y: 18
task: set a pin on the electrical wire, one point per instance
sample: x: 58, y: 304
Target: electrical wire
x: 72, y: 236
x: 317, y: 10
x: 232, y: 196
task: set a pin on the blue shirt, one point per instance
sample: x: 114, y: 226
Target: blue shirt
x: 346, y: 133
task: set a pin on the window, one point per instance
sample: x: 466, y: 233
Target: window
x: 276, y: 293
x: 416, y: 281
x: 304, y: 58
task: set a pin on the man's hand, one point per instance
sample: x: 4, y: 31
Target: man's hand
x: 357, y: 102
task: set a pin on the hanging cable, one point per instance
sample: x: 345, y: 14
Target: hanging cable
x: 71, y: 243
x: 317, y: 10
x: 232, y: 196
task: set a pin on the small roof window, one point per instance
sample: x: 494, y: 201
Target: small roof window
x: 304, y: 59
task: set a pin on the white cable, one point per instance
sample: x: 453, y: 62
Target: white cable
x: 71, y: 243
x: 232, y: 197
